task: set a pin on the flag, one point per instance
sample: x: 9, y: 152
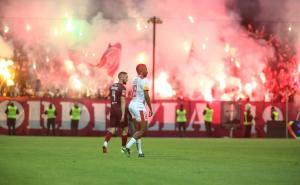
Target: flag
x: 110, y: 59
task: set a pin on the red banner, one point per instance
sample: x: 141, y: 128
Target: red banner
x: 95, y: 117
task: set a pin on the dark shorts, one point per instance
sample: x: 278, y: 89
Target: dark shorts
x: 115, y: 118
x: 11, y: 122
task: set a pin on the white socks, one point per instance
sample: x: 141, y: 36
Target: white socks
x: 131, y: 142
x: 139, y: 146
x: 105, y: 144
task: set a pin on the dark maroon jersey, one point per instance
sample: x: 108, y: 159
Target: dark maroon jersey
x: 117, y: 90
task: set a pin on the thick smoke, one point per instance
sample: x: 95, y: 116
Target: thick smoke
x: 203, y: 49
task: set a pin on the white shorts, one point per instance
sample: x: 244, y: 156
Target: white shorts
x: 138, y: 111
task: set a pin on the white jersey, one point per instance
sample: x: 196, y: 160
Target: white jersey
x: 137, y: 106
x: 139, y: 85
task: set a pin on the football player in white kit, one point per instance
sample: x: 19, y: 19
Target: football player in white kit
x: 137, y: 108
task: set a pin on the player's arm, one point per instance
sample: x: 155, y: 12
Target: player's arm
x: 146, y: 95
x: 147, y: 99
x: 123, y: 104
x: 109, y: 94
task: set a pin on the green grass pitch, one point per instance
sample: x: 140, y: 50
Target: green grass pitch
x: 67, y: 160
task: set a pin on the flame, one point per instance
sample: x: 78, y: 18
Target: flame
x: 191, y: 19
x: 221, y: 80
x: 55, y: 32
x: 69, y: 65
x: 6, y: 73
x: 186, y: 46
x: 10, y: 82
x: 208, y: 95
x: 227, y: 48
x: 6, y: 29
x: 70, y: 26
x: 138, y: 26
x: 28, y: 27
x: 262, y: 77
x: 141, y: 25
x: 248, y: 88
x: 254, y: 84
x: 142, y: 58
x: 237, y: 64
x: 163, y: 86
x: 75, y: 82
x: 204, y: 46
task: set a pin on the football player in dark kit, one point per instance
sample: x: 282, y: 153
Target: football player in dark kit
x: 117, y: 95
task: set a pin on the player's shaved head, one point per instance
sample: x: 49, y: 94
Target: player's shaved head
x: 123, y: 77
x: 122, y: 73
x: 141, y: 69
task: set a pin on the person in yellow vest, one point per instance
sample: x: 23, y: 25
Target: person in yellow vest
x: 181, y: 119
x: 11, y: 112
x: 208, y: 117
x: 51, y: 115
x: 274, y: 114
x: 75, y: 114
x: 248, y: 121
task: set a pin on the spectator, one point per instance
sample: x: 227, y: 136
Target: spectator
x: 208, y: 117
x: 274, y: 114
x: 51, y: 115
x: 248, y: 121
x: 75, y: 114
x: 181, y: 119
x: 11, y: 112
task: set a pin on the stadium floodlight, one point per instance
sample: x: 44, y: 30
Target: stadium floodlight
x: 154, y: 20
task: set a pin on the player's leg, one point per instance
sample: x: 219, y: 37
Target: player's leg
x: 124, y: 128
x: 108, y: 135
x: 134, y: 128
x: 134, y: 112
x: 124, y: 136
x: 137, y: 135
x: 138, y: 112
x: 114, y: 118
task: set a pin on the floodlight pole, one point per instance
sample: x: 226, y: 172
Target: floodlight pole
x: 154, y: 20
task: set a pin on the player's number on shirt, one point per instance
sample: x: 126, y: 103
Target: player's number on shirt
x: 113, y: 94
x: 134, y: 91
